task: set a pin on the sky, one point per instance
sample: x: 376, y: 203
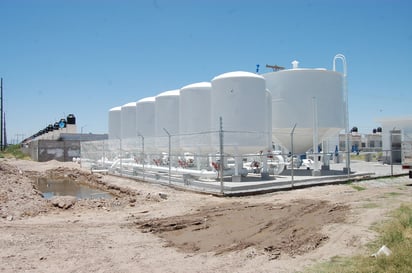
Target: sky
x: 84, y: 57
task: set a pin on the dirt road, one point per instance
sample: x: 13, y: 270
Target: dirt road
x: 152, y: 228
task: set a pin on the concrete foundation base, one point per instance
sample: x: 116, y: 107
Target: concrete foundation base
x: 186, y: 179
x: 316, y: 173
x: 236, y: 178
x: 264, y: 176
x: 325, y: 168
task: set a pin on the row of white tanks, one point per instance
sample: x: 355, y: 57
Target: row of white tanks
x: 256, y: 111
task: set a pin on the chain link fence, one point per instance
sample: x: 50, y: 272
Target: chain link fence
x: 194, y: 160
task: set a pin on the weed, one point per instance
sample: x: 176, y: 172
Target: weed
x: 395, y: 234
x: 370, y: 205
x: 358, y: 187
x: 13, y: 151
x: 393, y: 193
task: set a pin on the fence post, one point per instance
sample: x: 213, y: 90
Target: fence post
x: 170, y: 149
x: 291, y: 145
x: 143, y: 157
x: 221, y: 154
x: 121, y: 158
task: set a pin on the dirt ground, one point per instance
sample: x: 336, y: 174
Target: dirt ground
x: 152, y: 228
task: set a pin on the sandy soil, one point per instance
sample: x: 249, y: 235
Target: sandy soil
x: 152, y: 228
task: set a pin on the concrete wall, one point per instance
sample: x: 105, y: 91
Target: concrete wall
x: 45, y: 150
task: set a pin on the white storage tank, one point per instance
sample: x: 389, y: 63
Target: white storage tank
x: 128, y: 121
x: 194, y: 117
x: 293, y: 91
x: 145, y: 116
x: 240, y: 98
x: 145, y: 122
x: 167, y: 117
x: 115, y: 122
x: 269, y: 118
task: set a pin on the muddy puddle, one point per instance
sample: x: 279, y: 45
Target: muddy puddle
x: 59, y: 187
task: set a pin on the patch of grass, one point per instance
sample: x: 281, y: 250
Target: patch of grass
x: 370, y: 206
x: 385, y: 179
x: 13, y: 151
x: 358, y: 187
x: 336, y: 264
x: 394, y: 193
x: 356, y: 157
x: 396, y: 234
x: 365, y: 156
x: 391, y: 194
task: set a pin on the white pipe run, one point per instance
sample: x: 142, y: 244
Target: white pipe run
x: 276, y: 165
x: 130, y: 163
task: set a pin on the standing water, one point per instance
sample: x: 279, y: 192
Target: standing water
x: 58, y: 187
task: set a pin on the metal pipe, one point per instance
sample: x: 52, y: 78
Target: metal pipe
x: 131, y: 163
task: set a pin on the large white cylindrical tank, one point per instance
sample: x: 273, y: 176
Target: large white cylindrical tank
x: 115, y: 116
x: 145, y: 122
x: 167, y: 117
x: 240, y: 99
x: 293, y: 91
x: 269, y: 118
x: 194, y: 117
x: 145, y: 117
x: 128, y: 121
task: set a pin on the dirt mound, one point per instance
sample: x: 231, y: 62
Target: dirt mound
x: 292, y: 229
x: 200, y: 233
x: 18, y: 197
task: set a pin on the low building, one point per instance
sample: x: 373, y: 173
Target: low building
x: 355, y: 142
x: 67, y: 147
x: 372, y: 142
x: 394, y: 132
x: 59, y: 141
x: 362, y: 142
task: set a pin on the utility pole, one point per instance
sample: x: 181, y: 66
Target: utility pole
x: 4, y: 132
